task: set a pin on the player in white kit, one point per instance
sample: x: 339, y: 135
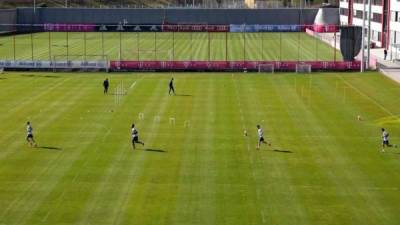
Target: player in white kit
x: 135, y: 136
x: 29, y: 135
x: 261, y: 137
x: 385, y: 139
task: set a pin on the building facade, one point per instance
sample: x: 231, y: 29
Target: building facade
x: 385, y: 21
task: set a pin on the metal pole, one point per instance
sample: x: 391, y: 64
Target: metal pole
x: 34, y: 6
x: 226, y: 46
x: 120, y: 46
x: 32, y: 45
x: 191, y: 46
x: 280, y: 46
x: 262, y: 46
x: 67, y: 47
x: 334, y: 48
x: 209, y: 47
x: 66, y: 3
x: 369, y: 33
x: 244, y: 45
x: 14, y: 47
x: 363, y: 40
x: 155, y: 45
x: 173, y: 46
x: 49, y: 46
x: 298, y: 47
x: 316, y: 49
x: 138, y: 47
x: 84, y: 46
x: 102, y: 44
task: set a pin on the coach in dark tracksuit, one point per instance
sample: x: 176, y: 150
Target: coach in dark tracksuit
x: 171, y: 87
x: 106, y: 84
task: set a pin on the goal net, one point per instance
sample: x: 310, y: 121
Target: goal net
x: 303, y: 68
x: 65, y: 63
x: 266, y: 68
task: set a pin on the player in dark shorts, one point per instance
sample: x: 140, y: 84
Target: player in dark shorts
x: 106, y: 84
x: 261, y: 137
x: 385, y: 139
x: 171, y: 87
x: 29, y: 135
x: 135, y: 136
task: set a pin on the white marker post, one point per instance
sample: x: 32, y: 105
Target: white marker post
x: 172, y: 121
x: 186, y: 124
x: 141, y: 116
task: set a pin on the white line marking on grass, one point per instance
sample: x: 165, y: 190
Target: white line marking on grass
x: 258, y: 197
x: 58, y: 204
x: 368, y: 97
x: 132, y: 85
x: 263, y: 217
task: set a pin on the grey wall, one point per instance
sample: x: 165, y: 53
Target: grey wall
x: 156, y: 16
x: 7, y: 16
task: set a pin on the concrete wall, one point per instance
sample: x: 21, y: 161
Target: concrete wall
x: 157, y: 16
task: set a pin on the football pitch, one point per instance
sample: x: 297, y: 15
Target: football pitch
x: 166, y: 46
x: 197, y: 166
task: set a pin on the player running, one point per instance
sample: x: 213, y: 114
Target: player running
x: 106, y: 84
x: 171, y: 87
x: 385, y: 139
x: 261, y: 137
x: 135, y: 136
x: 29, y: 136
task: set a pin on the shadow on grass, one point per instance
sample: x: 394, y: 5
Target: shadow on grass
x: 3, y: 78
x: 394, y: 153
x: 49, y: 148
x: 282, y: 151
x: 45, y: 76
x: 183, y: 95
x: 155, y: 150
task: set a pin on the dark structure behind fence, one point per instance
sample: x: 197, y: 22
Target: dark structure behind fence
x: 8, y: 16
x: 283, y: 16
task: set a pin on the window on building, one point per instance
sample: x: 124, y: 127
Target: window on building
x: 397, y: 37
x: 376, y: 2
x: 394, y: 16
x: 359, y: 14
x: 344, y: 11
x: 376, y: 17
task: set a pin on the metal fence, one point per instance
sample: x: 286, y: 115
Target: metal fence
x: 129, y: 44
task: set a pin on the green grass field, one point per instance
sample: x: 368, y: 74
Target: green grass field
x: 166, y: 46
x: 324, y: 166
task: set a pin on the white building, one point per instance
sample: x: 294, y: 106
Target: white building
x: 394, y: 27
x: 385, y: 28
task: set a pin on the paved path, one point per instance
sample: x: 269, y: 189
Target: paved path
x: 388, y: 68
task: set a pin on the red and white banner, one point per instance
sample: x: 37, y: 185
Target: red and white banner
x: 230, y: 65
